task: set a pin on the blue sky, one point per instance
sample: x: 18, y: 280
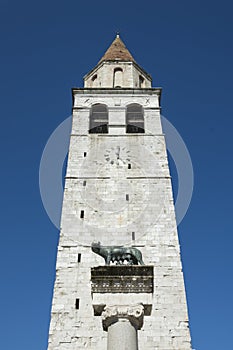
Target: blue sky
x: 46, y: 49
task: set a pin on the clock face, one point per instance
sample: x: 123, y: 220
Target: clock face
x: 117, y: 155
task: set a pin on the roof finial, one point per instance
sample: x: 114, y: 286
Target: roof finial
x: 118, y: 34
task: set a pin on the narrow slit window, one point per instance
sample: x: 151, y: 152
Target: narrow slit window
x: 134, y: 119
x: 82, y: 214
x: 129, y: 166
x: 79, y: 257
x: 133, y: 236
x: 84, y: 183
x: 98, y: 119
x: 77, y: 304
x: 127, y: 197
x: 84, y: 154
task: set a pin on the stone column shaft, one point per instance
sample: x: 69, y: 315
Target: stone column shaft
x: 122, y: 323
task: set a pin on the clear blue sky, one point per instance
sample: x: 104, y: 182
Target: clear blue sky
x: 46, y: 48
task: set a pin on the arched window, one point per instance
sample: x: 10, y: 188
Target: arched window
x: 134, y: 119
x: 94, y: 80
x: 98, y: 119
x: 141, y: 82
x: 118, y: 78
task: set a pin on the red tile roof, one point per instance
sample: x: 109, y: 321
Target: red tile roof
x: 117, y: 51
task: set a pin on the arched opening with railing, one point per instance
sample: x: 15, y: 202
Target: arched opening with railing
x: 134, y: 119
x: 98, y: 119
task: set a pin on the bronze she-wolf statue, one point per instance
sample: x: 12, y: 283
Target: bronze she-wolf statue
x: 118, y: 255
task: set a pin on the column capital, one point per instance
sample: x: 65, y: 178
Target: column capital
x: 114, y: 313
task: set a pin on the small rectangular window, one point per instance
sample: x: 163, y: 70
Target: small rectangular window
x: 79, y: 257
x: 77, y: 304
x: 84, y: 183
x: 129, y: 166
x: 84, y: 154
x: 127, y: 197
x: 133, y: 236
x: 82, y: 214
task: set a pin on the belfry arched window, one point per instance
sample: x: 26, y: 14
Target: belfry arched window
x: 134, y: 119
x: 118, y: 78
x: 99, y: 119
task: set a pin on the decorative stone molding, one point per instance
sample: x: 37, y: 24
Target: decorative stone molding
x: 122, y: 279
x: 114, y: 313
x: 101, y: 300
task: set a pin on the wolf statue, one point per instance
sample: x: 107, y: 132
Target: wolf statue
x: 118, y: 255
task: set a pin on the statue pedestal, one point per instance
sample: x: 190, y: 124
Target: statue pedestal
x: 121, y: 285
x: 122, y: 295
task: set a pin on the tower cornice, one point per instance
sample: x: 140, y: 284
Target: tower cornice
x: 118, y: 91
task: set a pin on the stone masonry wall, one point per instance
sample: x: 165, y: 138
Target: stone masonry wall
x: 98, y: 187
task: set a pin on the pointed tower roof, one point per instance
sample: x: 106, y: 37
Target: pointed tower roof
x: 117, y: 55
x: 117, y: 51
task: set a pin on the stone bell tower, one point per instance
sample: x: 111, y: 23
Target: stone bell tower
x: 119, y: 281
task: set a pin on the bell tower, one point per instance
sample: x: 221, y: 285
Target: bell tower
x: 119, y: 281
x: 117, y: 69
